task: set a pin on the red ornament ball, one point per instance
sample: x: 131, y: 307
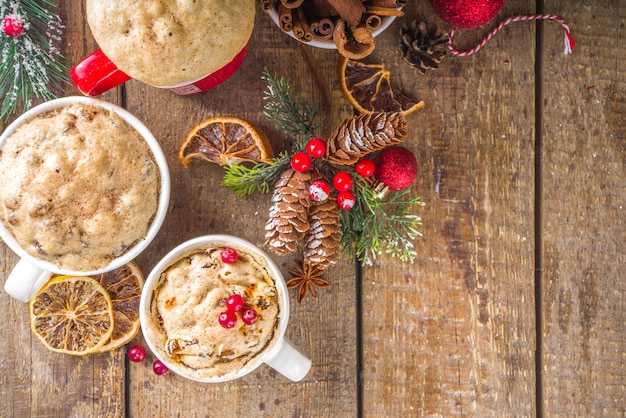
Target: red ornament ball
x: 467, y: 13
x: 396, y: 167
x: 12, y: 25
x: 319, y: 190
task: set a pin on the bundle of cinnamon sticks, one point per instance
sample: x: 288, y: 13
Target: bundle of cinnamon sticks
x: 349, y: 23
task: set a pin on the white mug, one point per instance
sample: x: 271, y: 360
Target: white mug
x: 31, y: 273
x: 281, y: 354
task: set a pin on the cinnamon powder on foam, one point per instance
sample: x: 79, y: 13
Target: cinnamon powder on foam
x: 79, y: 187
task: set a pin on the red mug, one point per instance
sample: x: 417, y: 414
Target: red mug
x: 96, y: 74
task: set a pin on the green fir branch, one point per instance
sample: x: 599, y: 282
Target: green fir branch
x: 260, y: 177
x: 31, y: 65
x: 294, y: 116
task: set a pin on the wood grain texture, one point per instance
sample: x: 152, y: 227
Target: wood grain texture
x: 323, y: 328
x: 584, y: 208
x: 454, y: 333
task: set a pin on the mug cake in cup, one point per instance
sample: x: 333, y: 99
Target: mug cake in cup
x: 84, y: 188
x: 215, y: 308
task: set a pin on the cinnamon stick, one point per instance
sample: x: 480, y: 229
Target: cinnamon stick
x: 350, y: 11
x: 323, y: 9
x: 383, y: 11
x: 292, y: 4
x: 285, y: 18
x: 372, y: 22
x: 322, y: 29
x: 301, y: 28
x: 386, y: 3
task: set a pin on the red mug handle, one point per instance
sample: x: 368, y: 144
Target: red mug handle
x: 96, y: 74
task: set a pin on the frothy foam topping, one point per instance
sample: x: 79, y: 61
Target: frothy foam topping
x: 186, y: 303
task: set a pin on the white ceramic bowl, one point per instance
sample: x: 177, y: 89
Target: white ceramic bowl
x: 330, y: 44
x: 32, y: 273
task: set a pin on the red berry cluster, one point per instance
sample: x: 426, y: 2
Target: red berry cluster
x: 137, y: 354
x: 235, y: 303
x: 342, y: 181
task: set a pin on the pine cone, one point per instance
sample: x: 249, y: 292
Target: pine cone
x: 364, y: 134
x: 322, y: 241
x: 288, y: 221
x: 423, y: 48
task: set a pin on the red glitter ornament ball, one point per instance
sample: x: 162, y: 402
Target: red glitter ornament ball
x: 467, y: 13
x: 396, y: 167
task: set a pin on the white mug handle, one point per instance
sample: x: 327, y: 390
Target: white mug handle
x: 25, y: 280
x: 288, y: 361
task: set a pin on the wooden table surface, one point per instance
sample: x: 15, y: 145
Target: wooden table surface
x: 515, y: 303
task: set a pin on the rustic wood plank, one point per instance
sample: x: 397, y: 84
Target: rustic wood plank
x: 454, y: 333
x: 35, y: 381
x: 584, y: 203
x: 323, y: 328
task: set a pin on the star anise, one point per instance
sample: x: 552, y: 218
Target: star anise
x: 306, y: 277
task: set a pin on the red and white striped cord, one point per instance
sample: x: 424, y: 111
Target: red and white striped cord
x: 570, y: 43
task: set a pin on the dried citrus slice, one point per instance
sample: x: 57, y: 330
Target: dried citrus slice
x: 72, y: 315
x: 368, y: 89
x: 225, y: 140
x: 124, y: 286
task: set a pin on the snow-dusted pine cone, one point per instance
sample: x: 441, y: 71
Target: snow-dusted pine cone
x: 363, y: 134
x: 288, y: 216
x: 322, y: 241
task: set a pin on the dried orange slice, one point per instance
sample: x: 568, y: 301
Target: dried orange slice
x: 124, y: 286
x: 368, y: 89
x: 225, y: 140
x: 72, y: 315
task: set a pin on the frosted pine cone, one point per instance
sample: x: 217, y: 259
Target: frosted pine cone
x: 288, y: 220
x: 363, y: 134
x: 322, y: 241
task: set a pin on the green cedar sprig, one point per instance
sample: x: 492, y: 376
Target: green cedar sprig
x: 260, y: 177
x: 376, y: 225
x: 292, y: 115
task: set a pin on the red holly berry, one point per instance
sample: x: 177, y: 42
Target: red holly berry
x: 346, y: 200
x: 227, y: 319
x: 249, y: 316
x: 365, y: 167
x: 319, y: 190
x: 301, y: 162
x: 316, y: 147
x: 12, y: 25
x: 235, y: 303
x: 229, y: 255
x: 342, y: 181
x: 136, y: 353
x: 159, y: 368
